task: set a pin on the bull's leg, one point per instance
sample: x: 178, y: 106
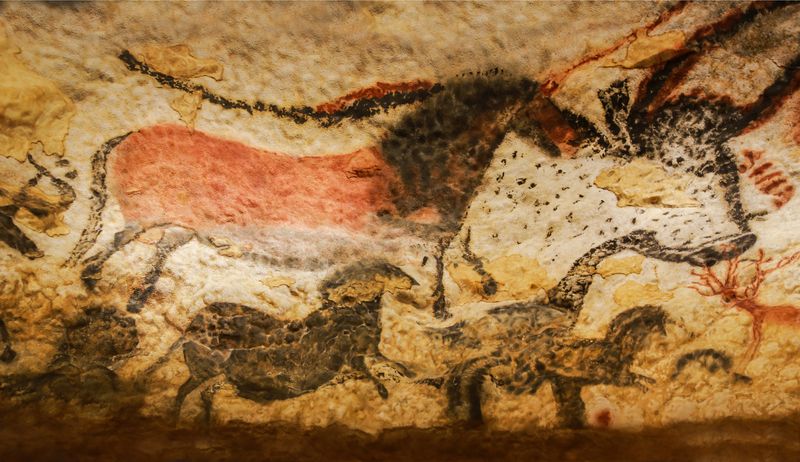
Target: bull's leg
x: 573, y: 287
x: 439, y: 302
x: 488, y: 283
x: 571, y: 410
x: 360, y: 365
x: 164, y: 248
x: 94, y: 264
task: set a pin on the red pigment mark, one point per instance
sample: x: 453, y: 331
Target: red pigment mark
x: 552, y: 121
x: 603, y: 418
x: 767, y: 177
x: 668, y: 92
x: 552, y: 83
x: 378, y: 90
x: 170, y: 174
x: 742, y: 294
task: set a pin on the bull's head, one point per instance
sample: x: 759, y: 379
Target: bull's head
x: 664, y: 184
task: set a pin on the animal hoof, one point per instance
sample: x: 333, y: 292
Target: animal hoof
x: 440, y: 309
x: 383, y: 391
x: 643, y: 382
x: 137, y: 301
x: 89, y: 279
x: 489, y: 286
x: 34, y: 254
x: 8, y: 355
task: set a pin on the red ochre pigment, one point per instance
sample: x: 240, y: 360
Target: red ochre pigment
x: 170, y: 174
x: 603, y: 418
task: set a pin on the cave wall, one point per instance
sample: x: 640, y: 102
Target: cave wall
x: 372, y: 217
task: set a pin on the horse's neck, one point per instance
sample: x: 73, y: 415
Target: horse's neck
x: 630, y: 342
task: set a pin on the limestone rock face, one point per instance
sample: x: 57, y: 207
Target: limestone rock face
x: 399, y: 218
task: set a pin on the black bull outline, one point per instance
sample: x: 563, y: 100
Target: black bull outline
x: 469, y: 116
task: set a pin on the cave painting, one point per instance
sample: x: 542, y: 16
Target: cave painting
x: 655, y: 174
x: 426, y: 170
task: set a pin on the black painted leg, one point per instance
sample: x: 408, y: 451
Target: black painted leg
x: 207, y: 396
x: 571, y: 410
x: 439, y: 302
x: 360, y: 365
x: 488, y: 283
x: 187, y: 387
x: 94, y: 264
x: 164, y: 249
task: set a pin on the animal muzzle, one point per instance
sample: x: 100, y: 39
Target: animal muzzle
x: 721, y: 249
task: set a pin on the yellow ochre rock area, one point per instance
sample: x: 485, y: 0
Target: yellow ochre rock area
x: 32, y: 108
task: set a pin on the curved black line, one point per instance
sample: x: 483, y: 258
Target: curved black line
x: 99, y: 197
x: 359, y: 109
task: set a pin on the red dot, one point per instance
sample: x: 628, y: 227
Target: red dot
x: 603, y: 418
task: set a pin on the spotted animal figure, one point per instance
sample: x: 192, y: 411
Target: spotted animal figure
x: 268, y: 358
x: 555, y: 355
x: 428, y: 167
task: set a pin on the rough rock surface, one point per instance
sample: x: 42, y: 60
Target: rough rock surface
x: 385, y: 221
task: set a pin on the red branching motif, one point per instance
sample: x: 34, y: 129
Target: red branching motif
x: 741, y: 293
x: 768, y: 178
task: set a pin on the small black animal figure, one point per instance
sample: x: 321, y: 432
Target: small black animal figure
x: 267, y: 358
x: 711, y: 360
x: 82, y: 369
x: 567, y: 362
x: 8, y: 353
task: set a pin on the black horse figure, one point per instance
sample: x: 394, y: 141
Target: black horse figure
x: 267, y: 358
x: 555, y: 355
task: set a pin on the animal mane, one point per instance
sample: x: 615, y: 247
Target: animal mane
x: 461, y: 120
x: 644, y: 317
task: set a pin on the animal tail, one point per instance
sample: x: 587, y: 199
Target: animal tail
x: 355, y: 105
x: 99, y: 197
x: 8, y: 354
